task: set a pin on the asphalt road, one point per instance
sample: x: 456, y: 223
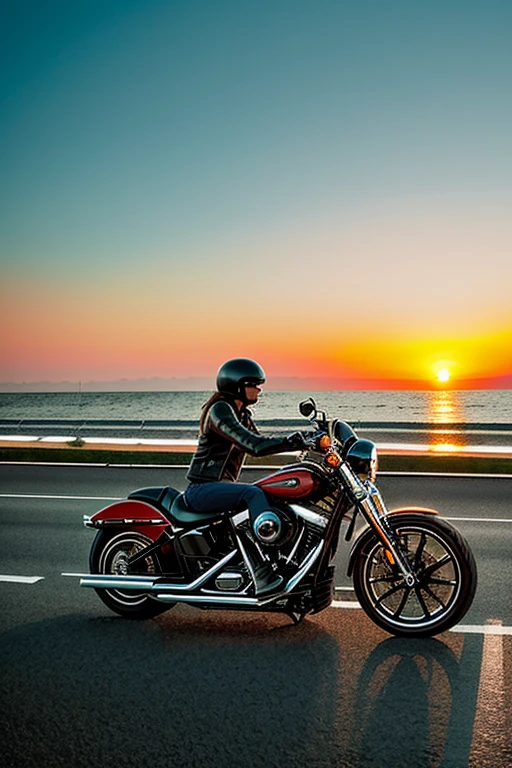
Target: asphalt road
x: 82, y: 687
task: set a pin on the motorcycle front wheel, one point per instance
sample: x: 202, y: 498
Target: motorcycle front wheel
x: 445, y: 572
x: 109, y: 554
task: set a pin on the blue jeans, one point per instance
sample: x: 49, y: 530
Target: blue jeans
x: 222, y: 496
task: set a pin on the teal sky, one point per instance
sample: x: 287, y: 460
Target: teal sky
x: 201, y: 147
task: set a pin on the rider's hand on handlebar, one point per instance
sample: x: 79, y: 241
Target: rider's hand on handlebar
x: 302, y: 441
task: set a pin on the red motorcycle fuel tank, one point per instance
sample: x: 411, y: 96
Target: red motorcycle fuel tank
x: 293, y: 482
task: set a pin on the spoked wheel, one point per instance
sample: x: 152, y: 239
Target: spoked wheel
x: 109, y: 555
x: 445, y: 572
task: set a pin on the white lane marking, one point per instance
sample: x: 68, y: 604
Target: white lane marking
x: 426, y: 449
x: 53, y: 464
x: 483, y: 629
x: 345, y: 604
x: 344, y: 589
x: 48, y: 496
x: 120, y: 498
x: 492, y: 628
x: 251, y: 467
x: 489, y: 728
x: 479, y: 475
x: 77, y: 575
x: 415, y: 449
x: 22, y: 579
x: 477, y: 519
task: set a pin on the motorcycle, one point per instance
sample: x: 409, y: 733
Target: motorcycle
x: 413, y: 572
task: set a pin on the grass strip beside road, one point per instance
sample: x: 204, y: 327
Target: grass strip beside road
x: 387, y: 463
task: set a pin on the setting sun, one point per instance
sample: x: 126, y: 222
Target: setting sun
x: 443, y: 375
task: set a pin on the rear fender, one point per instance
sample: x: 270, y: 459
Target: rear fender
x: 367, y: 532
x: 132, y: 514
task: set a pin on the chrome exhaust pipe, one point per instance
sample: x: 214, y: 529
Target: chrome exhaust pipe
x: 103, y: 580
x: 150, y: 583
x: 222, y: 599
x: 169, y: 592
x: 147, y: 584
x: 164, y: 592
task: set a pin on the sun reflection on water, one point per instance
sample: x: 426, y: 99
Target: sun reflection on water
x: 445, y: 408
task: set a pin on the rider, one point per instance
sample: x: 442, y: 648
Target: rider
x: 226, y: 434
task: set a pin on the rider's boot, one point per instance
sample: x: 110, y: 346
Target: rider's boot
x: 265, y: 578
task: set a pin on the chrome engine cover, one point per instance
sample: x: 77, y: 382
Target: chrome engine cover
x: 268, y: 527
x: 229, y: 581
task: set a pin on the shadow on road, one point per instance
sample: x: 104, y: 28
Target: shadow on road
x: 212, y: 689
x: 416, y: 701
x: 183, y: 690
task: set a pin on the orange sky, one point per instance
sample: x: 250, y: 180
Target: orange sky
x: 331, y: 197
x: 81, y: 334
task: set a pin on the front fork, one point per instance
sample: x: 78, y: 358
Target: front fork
x: 369, y: 500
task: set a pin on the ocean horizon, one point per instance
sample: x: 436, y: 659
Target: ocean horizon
x: 484, y: 408
x: 448, y: 420
x: 274, y: 384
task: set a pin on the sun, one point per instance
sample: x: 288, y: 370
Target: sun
x: 442, y: 371
x: 443, y: 375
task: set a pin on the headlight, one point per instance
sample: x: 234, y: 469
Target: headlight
x: 344, y: 434
x: 363, y: 460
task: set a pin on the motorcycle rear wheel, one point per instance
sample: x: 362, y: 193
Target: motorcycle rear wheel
x: 109, y: 553
x: 443, y: 565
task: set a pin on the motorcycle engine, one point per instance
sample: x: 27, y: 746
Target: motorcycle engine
x: 197, y: 543
x: 274, y: 527
x: 229, y: 581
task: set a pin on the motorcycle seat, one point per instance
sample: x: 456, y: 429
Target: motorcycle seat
x: 161, y: 498
x: 181, y: 512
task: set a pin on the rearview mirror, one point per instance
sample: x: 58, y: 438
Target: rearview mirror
x: 307, y: 408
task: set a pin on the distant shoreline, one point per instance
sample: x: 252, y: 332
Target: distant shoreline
x: 165, y: 455
x: 479, y: 435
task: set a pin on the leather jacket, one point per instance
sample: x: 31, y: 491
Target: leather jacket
x: 228, y: 436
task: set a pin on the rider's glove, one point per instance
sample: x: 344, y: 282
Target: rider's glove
x: 301, y: 441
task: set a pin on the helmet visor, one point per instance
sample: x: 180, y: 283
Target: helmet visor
x: 253, y: 382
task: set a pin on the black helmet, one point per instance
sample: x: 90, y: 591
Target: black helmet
x: 233, y: 375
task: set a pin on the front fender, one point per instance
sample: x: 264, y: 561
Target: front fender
x: 367, y: 532
x: 132, y: 514
x: 412, y: 510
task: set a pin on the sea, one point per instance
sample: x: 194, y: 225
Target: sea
x: 481, y: 417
